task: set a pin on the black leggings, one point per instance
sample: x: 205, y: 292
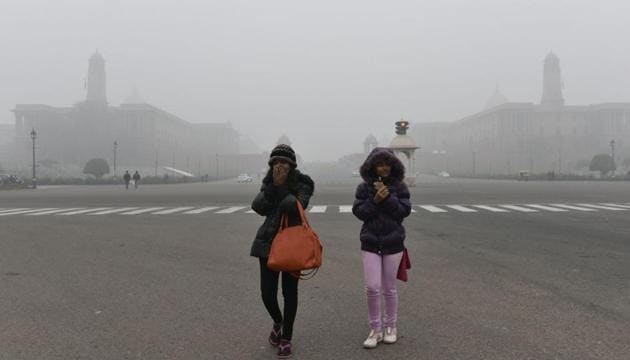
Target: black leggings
x: 269, y: 290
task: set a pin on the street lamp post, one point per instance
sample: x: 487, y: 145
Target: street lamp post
x: 612, y: 153
x: 34, y: 136
x: 115, y: 151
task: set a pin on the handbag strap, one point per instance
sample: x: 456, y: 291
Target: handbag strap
x: 284, y: 222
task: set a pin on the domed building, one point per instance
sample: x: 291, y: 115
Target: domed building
x: 369, y: 144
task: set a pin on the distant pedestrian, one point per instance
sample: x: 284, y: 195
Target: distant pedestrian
x: 127, y: 179
x: 281, y: 189
x: 382, y: 202
x: 136, y: 179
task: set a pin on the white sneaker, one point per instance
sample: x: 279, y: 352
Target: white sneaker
x: 373, y: 339
x: 390, y: 336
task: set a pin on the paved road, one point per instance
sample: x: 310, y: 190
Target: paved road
x: 163, y: 282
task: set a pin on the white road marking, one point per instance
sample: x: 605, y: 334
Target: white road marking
x: 51, y: 211
x: 433, y: 209
x: 24, y: 211
x: 519, y: 208
x: 318, y: 209
x: 617, y: 205
x: 571, y: 207
x: 14, y: 209
x: 548, y: 208
x: 603, y: 207
x: 231, y: 210
x: 142, y: 211
x: 112, y: 211
x: 461, y: 208
x: 83, y: 211
x: 345, y: 208
x: 172, y: 211
x: 490, y: 208
x: 201, y: 210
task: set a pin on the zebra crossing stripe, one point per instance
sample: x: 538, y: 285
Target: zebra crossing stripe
x: 25, y: 211
x: 571, y: 207
x: 433, y: 209
x: 83, y: 211
x: 141, y: 211
x: 461, y: 208
x: 617, y: 205
x: 113, y: 211
x: 603, y: 207
x: 201, y: 210
x: 519, y: 208
x: 490, y: 208
x: 230, y: 210
x: 172, y: 211
x: 11, y: 210
x: 318, y: 209
x: 548, y: 208
x: 345, y: 208
x: 51, y: 211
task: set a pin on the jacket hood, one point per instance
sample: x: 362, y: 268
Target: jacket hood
x: 368, y: 168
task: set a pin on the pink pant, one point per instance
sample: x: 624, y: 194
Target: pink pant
x: 380, y: 278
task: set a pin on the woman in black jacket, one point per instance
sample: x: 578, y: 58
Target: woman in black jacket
x: 281, y: 189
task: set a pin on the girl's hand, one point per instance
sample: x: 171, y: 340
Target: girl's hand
x: 381, y: 194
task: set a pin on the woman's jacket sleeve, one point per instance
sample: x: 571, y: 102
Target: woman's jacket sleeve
x: 268, y: 198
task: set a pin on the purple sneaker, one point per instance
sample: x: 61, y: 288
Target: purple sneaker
x: 274, y: 337
x: 284, y: 349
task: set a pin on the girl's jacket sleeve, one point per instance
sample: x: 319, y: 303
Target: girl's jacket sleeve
x: 397, y: 204
x: 364, y: 207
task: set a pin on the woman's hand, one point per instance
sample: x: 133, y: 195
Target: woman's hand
x: 381, y: 194
x: 280, y: 174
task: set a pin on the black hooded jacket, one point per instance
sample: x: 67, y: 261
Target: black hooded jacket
x: 272, y: 201
x: 382, y: 231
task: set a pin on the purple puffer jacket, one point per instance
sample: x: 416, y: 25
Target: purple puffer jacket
x: 382, y: 231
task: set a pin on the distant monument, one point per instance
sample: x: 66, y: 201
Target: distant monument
x: 369, y: 144
x: 96, y: 80
x: 406, y: 145
x: 552, y: 82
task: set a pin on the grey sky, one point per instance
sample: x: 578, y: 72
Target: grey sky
x: 326, y: 73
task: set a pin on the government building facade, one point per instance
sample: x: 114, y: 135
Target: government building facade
x: 507, y: 137
x: 139, y: 135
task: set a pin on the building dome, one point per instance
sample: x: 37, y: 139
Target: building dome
x: 97, y: 57
x: 496, y: 99
x: 552, y: 57
x: 284, y: 140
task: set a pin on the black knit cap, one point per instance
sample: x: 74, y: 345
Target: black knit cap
x: 283, y: 152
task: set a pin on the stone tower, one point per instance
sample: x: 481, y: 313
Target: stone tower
x: 552, y: 82
x: 96, y: 84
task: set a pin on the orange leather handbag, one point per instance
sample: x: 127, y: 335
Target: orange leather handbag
x: 296, y: 249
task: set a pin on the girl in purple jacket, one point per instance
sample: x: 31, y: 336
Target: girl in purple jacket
x: 382, y: 202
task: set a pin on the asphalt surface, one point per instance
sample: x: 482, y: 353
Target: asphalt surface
x: 484, y: 285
